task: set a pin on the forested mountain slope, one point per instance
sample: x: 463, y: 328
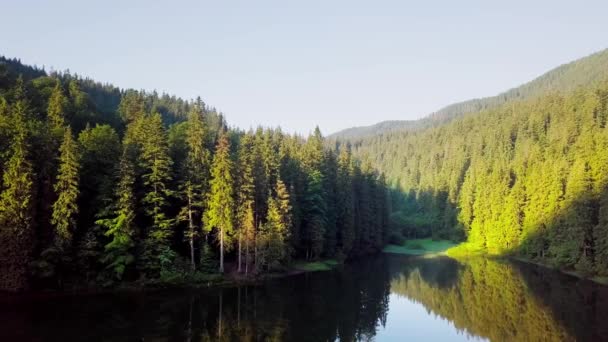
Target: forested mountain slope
x: 528, y: 177
x: 564, y: 78
x: 102, y: 185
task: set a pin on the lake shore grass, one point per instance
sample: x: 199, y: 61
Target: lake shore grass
x: 426, y: 247
x: 465, y: 250
x: 315, y: 266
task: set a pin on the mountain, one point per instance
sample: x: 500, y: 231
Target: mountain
x: 564, y: 78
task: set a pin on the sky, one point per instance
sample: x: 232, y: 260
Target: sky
x: 298, y: 64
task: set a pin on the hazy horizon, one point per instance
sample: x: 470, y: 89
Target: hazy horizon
x: 334, y: 65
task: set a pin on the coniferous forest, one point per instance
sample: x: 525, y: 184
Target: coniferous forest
x: 527, y: 177
x: 103, y: 186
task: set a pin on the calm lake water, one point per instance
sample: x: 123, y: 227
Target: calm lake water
x: 386, y: 298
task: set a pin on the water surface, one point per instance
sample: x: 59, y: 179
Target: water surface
x: 385, y: 298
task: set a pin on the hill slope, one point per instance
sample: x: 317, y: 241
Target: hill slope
x: 528, y: 177
x: 564, y: 78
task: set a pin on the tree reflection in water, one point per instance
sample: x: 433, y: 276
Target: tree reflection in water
x: 501, y: 301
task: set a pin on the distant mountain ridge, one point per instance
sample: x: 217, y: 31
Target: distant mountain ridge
x: 564, y: 78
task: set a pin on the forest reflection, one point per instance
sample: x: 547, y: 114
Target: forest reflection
x: 505, y: 301
x: 499, y: 301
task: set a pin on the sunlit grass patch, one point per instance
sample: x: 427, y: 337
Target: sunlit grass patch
x: 465, y: 250
x: 313, y: 266
x: 420, y: 247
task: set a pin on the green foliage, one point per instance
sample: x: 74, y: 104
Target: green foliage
x: 272, y: 244
x: 220, y: 214
x: 16, y: 202
x: 129, y: 198
x: 156, y: 166
x: 65, y: 207
x: 57, y: 108
x: 527, y: 178
x: 121, y: 226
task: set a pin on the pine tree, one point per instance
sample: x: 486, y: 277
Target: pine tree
x: 57, y: 108
x: 156, y: 166
x: 247, y: 226
x: 274, y: 249
x: 330, y: 170
x: 121, y: 227
x: 132, y: 106
x: 196, y: 169
x: 220, y: 213
x: 65, y: 207
x: 345, y: 204
x: 16, y: 204
x: 246, y: 200
x: 314, y: 215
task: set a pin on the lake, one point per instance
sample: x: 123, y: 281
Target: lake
x: 384, y: 298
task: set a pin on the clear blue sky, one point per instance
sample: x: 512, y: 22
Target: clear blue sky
x: 333, y: 63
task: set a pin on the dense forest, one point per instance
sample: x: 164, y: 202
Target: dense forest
x: 528, y: 178
x: 102, y: 185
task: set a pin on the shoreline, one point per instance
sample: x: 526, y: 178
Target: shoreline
x: 596, y: 279
x: 431, y: 248
x: 215, y: 281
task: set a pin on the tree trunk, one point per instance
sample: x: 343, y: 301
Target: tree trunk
x: 191, y: 226
x: 255, y: 256
x: 221, y: 251
x: 247, y: 257
x: 240, y: 238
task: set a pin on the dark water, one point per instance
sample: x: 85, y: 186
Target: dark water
x: 387, y: 298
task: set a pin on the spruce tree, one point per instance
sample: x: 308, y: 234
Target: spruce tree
x: 345, y: 202
x: 314, y: 215
x: 16, y: 205
x: 245, y: 200
x: 121, y: 227
x: 196, y: 169
x: 65, y: 208
x: 156, y: 165
x: 220, y: 212
x: 57, y: 108
x: 274, y: 249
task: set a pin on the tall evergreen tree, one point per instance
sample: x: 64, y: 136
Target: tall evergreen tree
x: 220, y: 213
x: 156, y: 165
x: 245, y: 200
x: 65, y: 207
x: 196, y: 169
x: 16, y: 205
x: 345, y: 202
x: 57, y: 108
x: 314, y: 216
x: 121, y: 227
x: 274, y: 249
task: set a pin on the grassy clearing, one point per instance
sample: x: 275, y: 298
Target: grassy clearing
x: 313, y: 266
x: 464, y: 250
x: 420, y: 247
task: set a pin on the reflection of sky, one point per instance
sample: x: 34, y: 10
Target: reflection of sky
x: 407, y: 320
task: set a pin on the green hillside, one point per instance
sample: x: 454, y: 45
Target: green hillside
x: 564, y: 78
x: 101, y: 186
x: 529, y: 178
